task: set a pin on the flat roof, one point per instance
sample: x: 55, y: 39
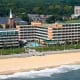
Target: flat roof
x: 46, y: 25
x: 56, y: 25
x: 8, y: 30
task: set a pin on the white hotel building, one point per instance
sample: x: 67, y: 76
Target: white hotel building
x: 50, y: 33
x: 9, y: 38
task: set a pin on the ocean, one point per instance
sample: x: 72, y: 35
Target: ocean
x: 63, y: 72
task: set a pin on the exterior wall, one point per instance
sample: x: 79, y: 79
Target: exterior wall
x: 77, y: 10
x: 27, y: 32
x: 36, y: 24
x: 18, y: 28
x: 50, y: 33
x: 69, y: 32
x: 8, y: 38
x: 60, y: 33
x: 11, y: 22
x: 3, y: 25
x: 56, y: 33
x: 42, y: 33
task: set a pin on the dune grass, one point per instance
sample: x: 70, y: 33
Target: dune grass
x: 11, y: 51
x: 58, y: 47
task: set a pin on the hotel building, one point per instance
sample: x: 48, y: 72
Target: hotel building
x: 8, y: 38
x: 9, y: 35
x: 26, y: 32
x: 50, y: 33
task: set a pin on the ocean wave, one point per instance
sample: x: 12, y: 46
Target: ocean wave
x: 42, y: 73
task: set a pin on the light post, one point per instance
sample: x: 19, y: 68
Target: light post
x: 12, y: 48
x: 64, y: 45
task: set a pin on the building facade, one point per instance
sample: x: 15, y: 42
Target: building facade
x: 51, y: 33
x: 59, y: 33
x: 9, y: 38
x: 77, y: 10
x: 26, y: 32
x: 37, y: 17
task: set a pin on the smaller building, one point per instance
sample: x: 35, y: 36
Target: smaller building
x: 76, y: 12
x: 11, y: 22
x: 8, y: 38
x: 37, y: 17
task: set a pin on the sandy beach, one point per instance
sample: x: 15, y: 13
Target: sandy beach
x: 12, y: 65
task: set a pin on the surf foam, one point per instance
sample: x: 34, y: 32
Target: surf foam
x: 42, y: 73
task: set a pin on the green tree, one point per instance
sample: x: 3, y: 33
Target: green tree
x: 50, y: 19
x: 7, y: 26
x: 68, y: 10
x: 1, y: 26
x: 26, y: 18
x: 37, y: 10
x: 54, y: 18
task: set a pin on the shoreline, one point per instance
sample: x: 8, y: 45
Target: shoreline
x: 36, y: 63
x: 24, y: 70
x: 34, y: 69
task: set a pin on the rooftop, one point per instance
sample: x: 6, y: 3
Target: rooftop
x: 54, y: 25
x: 1, y: 30
x: 4, y: 20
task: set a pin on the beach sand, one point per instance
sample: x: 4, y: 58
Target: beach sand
x: 12, y: 65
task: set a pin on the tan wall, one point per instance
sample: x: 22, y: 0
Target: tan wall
x: 3, y: 25
x: 11, y: 23
x: 18, y: 28
x: 56, y: 25
x: 36, y: 23
x: 49, y: 33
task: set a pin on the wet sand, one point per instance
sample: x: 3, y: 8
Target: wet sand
x: 12, y: 65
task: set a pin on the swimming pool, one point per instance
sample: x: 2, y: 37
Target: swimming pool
x: 34, y: 44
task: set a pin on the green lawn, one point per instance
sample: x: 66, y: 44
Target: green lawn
x: 11, y: 51
x: 40, y: 49
x: 58, y: 47
x: 73, y: 21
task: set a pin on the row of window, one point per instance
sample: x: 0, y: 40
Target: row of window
x: 65, y: 25
x: 8, y: 33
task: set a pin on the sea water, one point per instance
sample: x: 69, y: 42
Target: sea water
x: 63, y: 72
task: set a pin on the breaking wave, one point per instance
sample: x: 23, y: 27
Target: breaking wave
x: 48, y: 72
